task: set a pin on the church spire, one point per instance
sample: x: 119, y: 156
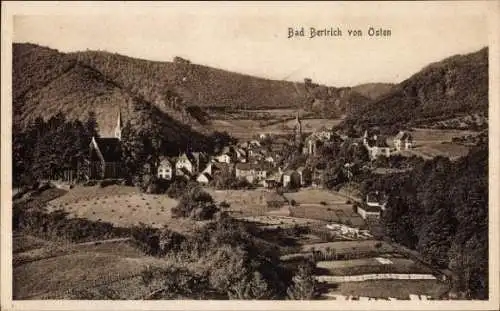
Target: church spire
x: 118, y: 128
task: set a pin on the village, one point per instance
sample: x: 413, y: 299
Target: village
x: 258, y: 163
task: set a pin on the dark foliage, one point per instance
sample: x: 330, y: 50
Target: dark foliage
x: 456, y: 86
x: 440, y: 209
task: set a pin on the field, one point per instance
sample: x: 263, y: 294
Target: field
x: 283, y: 221
x: 122, y: 206
x: 400, y: 289
x: 316, y: 196
x: 75, y: 267
x: 242, y: 202
x: 430, y: 143
x: 352, y: 247
x: 370, y: 265
x: 245, y: 129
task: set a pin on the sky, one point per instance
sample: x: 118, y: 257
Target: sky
x: 252, y: 38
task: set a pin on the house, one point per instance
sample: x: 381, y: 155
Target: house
x: 241, y: 155
x: 105, y: 158
x: 190, y: 163
x: 251, y: 171
x: 223, y: 158
x: 291, y: 179
x: 369, y: 212
x: 377, y: 199
x: 270, y: 159
x: 165, y: 169
x: 310, y: 146
x: 317, y: 178
x: 403, y: 141
x: 273, y: 181
x: 212, y: 170
x: 376, y: 145
x: 305, y: 176
x: 184, y: 166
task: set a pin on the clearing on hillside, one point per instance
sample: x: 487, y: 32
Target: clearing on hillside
x: 120, y: 205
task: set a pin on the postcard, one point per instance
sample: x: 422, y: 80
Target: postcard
x: 253, y: 156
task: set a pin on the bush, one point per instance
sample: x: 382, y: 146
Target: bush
x: 196, y: 204
x: 177, y: 188
x: 108, y: 182
x: 323, y: 203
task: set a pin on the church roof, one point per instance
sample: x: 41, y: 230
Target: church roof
x: 110, y: 148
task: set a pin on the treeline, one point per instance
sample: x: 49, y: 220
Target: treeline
x: 440, y: 209
x: 456, y: 86
x: 195, y: 84
x: 47, y: 148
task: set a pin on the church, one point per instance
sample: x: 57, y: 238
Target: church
x: 105, y: 158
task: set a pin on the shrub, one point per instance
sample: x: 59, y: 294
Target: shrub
x: 323, y: 203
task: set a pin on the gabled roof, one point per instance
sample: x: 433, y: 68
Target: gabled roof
x: 402, y: 135
x: 379, y: 142
x: 109, y: 147
x: 164, y: 161
x: 370, y: 209
x: 206, y: 175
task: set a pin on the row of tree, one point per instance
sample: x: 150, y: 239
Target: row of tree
x: 48, y: 147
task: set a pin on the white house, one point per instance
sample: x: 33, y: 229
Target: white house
x: 403, y: 141
x: 371, y: 212
x: 165, y: 169
x: 376, y: 199
x: 224, y: 158
x: 184, y: 165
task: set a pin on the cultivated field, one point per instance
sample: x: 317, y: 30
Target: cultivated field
x: 400, y: 289
x: 316, y: 196
x: 120, y: 205
x: 430, y: 143
x: 245, y: 129
x: 428, y: 136
x: 369, y: 266
x: 283, y: 221
x: 242, y: 202
x: 76, y: 267
x: 352, y: 247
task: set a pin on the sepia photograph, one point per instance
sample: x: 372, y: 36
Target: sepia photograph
x: 250, y: 155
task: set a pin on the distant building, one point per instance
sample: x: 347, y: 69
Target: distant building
x: 291, y: 178
x: 105, y: 158
x: 184, y: 165
x: 369, y: 212
x: 376, y: 199
x: 251, y: 171
x: 305, y: 176
x: 376, y: 145
x: 298, y: 130
x: 190, y: 162
x: 403, y: 141
x: 165, y: 169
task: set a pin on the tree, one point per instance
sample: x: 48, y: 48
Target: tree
x: 304, y: 286
x: 196, y: 204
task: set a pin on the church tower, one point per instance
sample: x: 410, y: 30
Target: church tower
x: 298, y: 129
x: 118, y: 128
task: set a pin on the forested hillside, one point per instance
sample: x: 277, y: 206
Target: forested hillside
x: 455, y: 88
x: 440, y: 209
x: 46, y: 81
